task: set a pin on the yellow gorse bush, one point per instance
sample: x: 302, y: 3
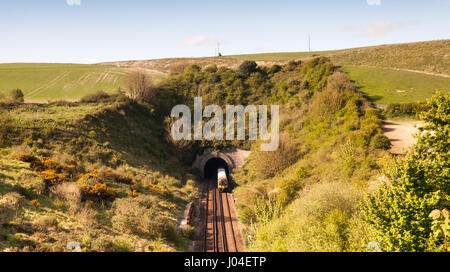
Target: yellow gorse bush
x: 157, y: 189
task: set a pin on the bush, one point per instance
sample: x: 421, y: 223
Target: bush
x: 247, y: 68
x: 32, y: 182
x: 70, y: 193
x: 399, y: 210
x: 141, y: 216
x: 46, y: 222
x: 268, y: 164
x: 95, y: 97
x: 6, y: 129
x: 321, y: 219
x: 17, y: 95
x: 380, y: 141
x: 288, y: 191
x: 188, y: 232
x: 411, y: 110
x: 97, y: 191
x: 247, y: 215
x: 140, y: 87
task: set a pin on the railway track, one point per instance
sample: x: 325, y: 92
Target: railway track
x: 220, y: 232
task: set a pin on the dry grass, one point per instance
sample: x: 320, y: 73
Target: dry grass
x: 70, y: 193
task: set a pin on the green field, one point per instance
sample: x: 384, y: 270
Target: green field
x: 387, y: 86
x: 59, y: 81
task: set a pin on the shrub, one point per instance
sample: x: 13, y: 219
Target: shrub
x: 121, y: 245
x: 188, y: 232
x: 139, y: 87
x: 35, y: 203
x: 157, y: 189
x: 320, y: 219
x: 380, y: 141
x: 247, y: 215
x: 95, y: 97
x: 70, y: 193
x: 411, y: 110
x: 46, y: 222
x: 141, y: 216
x: 26, y: 158
x: 98, y: 191
x: 17, y: 95
x: 32, y: 182
x: 6, y: 129
x: 268, y: 164
x: 10, y: 204
x: 288, y: 191
x: 399, y: 211
x: 247, y: 68
x: 51, y: 177
x: 178, y: 69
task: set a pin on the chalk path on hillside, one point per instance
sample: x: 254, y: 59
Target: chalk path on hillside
x: 401, y: 134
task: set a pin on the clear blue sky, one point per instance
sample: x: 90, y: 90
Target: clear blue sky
x: 89, y: 31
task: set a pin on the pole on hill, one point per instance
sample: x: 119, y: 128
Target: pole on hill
x: 309, y: 43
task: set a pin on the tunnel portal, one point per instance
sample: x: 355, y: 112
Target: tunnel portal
x: 211, y: 160
x: 211, y: 166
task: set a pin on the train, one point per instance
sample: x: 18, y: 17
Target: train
x: 222, y: 180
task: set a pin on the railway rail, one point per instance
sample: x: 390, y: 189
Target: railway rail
x: 220, y: 232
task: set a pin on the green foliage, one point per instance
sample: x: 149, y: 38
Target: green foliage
x: 399, y: 211
x: 380, y: 141
x: 440, y: 227
x: 142, y: 216
x: 94, y: 98
x: 323, y: 218
x: 288, y: 191
x: 411, y: 110
x: 247, y: 68
x: 6, y: 129
x: 271, y: 163
x: 17, y: 95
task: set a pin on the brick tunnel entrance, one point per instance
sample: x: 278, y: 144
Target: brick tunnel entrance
x: 211, y: 166
x: 211, y: 160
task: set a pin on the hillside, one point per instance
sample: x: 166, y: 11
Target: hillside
x: 390, y: 86
x: 42, y: 82
x: 367, y: 66
x: 397, y: 73
x: 99, y: 174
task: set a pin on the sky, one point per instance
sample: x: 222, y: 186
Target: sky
x: 92, y: 31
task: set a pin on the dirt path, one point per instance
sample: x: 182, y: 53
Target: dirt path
x: 401, y: 134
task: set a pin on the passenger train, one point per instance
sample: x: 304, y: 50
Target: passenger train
x: 222, y: 180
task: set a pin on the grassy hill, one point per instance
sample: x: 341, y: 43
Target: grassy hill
x: 99, y: 174
x: 41, y: 82
x: 387, y: 86
x: 430, y: 56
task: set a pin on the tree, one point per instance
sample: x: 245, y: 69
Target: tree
x: 139, y: 87
x: 247, y: 68
x: 17, y: 95
x: 399, y: 211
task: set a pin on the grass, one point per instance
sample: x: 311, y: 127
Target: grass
x: 284, y: 56
x: 56, y: 130
x: 383, y: 85
x: 41, y: 82
x: 59, y: 81
x: 430, y: 56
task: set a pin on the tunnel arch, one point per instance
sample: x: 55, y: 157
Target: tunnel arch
x: 211, y: 167
x: 234, y: 158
